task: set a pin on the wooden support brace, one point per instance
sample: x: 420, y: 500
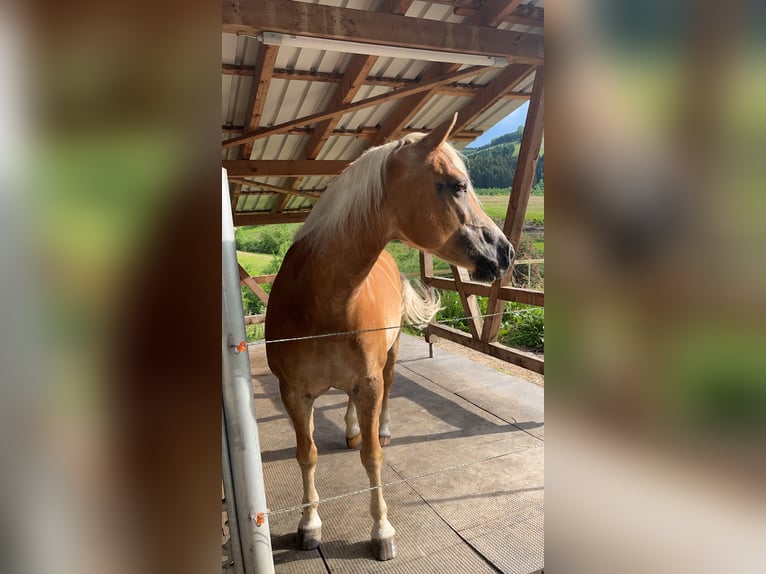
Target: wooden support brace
x: 529, y: 151
x: 245, y: 279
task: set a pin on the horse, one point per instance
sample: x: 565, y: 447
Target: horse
x: 337, y: 278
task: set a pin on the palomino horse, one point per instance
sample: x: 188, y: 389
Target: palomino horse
x: 337, y: 277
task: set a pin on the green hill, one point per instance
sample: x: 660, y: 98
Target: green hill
x: 493, y: 165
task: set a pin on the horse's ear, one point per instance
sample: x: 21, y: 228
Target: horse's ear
x: 439, y: 134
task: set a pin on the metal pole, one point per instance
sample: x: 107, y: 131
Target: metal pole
x: 239, y: 410
x: 233, y: 549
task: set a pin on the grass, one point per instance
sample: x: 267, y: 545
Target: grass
x: 497, y: 205
x: 254, y: 263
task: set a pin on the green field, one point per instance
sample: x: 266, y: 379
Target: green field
x: 497, y: 205
x: 254, y: 263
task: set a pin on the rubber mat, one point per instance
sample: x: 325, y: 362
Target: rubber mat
x: 480, y: 511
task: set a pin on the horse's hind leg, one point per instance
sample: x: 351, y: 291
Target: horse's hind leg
x: 300, y: 407
x: 368, y: 398
x: 353, y: 433
x: 384, y: 432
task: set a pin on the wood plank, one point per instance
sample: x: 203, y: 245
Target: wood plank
x: 493, y: 349
x: 508, y: 79
x: 271, y: 167
x: 365, y: 133
x: 529, y: 151
x: 426, y: 266
x: 496, y: 11
x: 245, y: 279
x: 356, y: 71
x: 320, y: 21
x: 268, y: 218
x: 255, y: 319
x: 264, y: 64
x: 469, y: 302
x: 512, y: 294
x: 328, y: 77
x: 374, y: 101
x: 276, y: 189
x: 264, y: 278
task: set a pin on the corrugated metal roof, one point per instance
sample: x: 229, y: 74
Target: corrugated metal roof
x: 292, y: 94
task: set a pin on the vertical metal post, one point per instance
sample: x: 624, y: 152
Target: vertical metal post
x: 233, y: 549
x: 239, y: 410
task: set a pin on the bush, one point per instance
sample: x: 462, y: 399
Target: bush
x: 524, y: 327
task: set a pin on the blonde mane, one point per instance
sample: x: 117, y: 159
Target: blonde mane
x: 354, y: 197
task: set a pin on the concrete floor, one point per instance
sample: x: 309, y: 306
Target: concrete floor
x: 485, y: 516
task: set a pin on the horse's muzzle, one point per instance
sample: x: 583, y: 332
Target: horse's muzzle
x: 494, y: 260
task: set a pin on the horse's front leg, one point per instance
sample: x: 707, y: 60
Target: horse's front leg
x: 300, y: 407
x: 384, y: 432
x: 368, y: 397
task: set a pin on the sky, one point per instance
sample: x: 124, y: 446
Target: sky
x: 508, y: 124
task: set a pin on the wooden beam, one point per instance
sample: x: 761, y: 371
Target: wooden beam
x: 523, y: 20
x: 529, y: 151
x: 496, y: 350
x: 512, y: 294
x: 408, y: 108
x: 255, y: 319
x: 356, y: 71
x: 319, y: 116
x: 469, y: 301
x: 272, y: 167
x: 426, y: 266
x: 320, y: 21
x: 264, y: 63
x: 266, y: 218
x: 365, y: 133
x: 495, y: 11
x: 508, y: 79
x: 329, y: 77
x: 276, y: 189
x: 245, y: 279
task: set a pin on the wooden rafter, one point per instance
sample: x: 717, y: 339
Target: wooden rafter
x: 511, y: 77
x: 470, y: 302
x: 496, y: 11
x: 329, y: 77
x: 274, y: 188
x: 268, y: 218
x: 353, y: 79
x: 529, y: 150
x: 361, y: 133
x: 319, y: 116
x: 409, y: 107
x: 282, y: 167
x: 316, y: 20
x: 264, y: 64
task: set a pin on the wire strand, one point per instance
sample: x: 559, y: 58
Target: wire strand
x: 392, y: 483
x: 359, y: 331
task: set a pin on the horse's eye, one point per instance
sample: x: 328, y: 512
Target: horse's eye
x: 461, y: 186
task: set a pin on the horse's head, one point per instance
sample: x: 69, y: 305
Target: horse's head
x: 435, y: 208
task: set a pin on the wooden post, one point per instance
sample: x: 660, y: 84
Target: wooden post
x: 529, y: 151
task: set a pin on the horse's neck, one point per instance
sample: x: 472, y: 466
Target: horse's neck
x: 342, y: 267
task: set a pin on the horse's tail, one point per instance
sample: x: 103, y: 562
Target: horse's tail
x: 419, y: 305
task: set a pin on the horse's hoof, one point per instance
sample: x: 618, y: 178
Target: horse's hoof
x: 384, y: 440
x: 354, y: 441
x: 309, y: 539
x: 384, y: 549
